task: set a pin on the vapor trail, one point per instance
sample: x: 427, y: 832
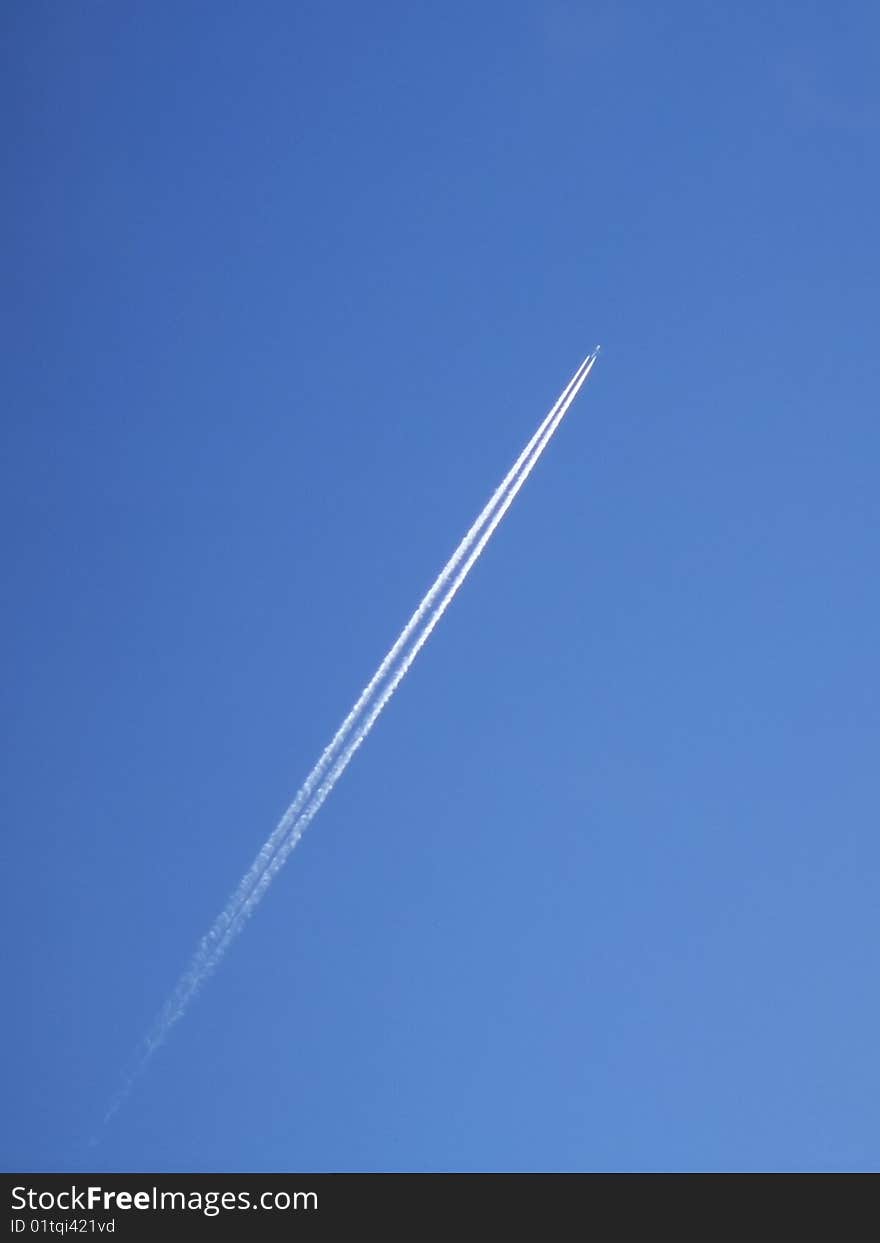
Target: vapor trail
x: 305, y: 817
x: 202, y: 968
x: 309, y: 801
x: 215, y: 934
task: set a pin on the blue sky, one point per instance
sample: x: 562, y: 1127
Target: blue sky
x: 287, y: 288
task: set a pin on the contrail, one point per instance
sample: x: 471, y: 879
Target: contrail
x: 309, y: 801
x: 217, y: 931
x: 305, y: 817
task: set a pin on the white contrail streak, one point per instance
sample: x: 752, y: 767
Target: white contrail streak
x: 217, y: 931
x: 299, y: 822
x: 309, y: 800
x: 305, y: 818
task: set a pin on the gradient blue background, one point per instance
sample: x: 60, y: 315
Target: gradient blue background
x: 286, y: 287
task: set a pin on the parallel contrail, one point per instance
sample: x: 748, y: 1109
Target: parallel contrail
x: 299, y: 819
x: 309, y: 801
x: 267, y: 850
x: 304, y: 819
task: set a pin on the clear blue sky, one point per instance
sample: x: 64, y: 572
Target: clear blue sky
x: 286, y: 287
